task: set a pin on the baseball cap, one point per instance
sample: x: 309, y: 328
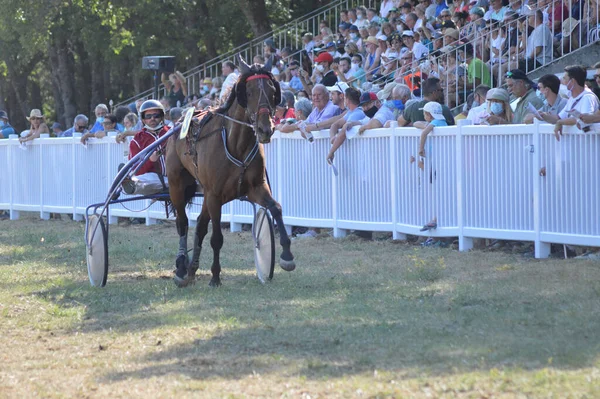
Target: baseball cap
x: 353, y: 28
x: 435, y: 109
x: 344, y: 25
x: 366, y: 97
x: 56, y: 125
x: 408, y: 33
x: 324, y: 57
x: 339, y: 87
x: 517, y: 74
x: 3, y: 114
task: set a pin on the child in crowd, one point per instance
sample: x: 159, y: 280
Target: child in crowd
x: 434, y: 117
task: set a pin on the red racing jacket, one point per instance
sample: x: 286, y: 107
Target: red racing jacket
x: 143, y: 139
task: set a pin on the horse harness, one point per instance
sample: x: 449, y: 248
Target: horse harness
x: 264, y: 107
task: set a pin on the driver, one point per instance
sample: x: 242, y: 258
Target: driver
x: 150, y: 177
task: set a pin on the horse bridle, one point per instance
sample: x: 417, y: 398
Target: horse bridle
x: 262, y: 107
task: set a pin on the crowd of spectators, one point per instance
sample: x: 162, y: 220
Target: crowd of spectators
x: 406, y: 64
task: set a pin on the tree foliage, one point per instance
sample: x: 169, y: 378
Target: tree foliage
x: 66, y: 56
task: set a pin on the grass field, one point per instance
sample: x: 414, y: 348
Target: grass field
x: 355, y: 319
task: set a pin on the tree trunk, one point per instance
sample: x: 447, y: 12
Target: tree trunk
x: 97, y: 87
x: 62, y: 66
x: 257, y: 16
x: 209, y: 38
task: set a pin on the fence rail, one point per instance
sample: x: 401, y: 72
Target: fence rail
x: 478, y: 181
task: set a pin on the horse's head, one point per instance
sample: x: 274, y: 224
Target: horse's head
x: 258, y: 92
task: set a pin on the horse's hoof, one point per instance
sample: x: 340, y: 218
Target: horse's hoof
x: 214, y: 282
x: 184, y: 282
x: 287, y: 265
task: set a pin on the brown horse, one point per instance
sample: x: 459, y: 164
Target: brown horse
x: 225, y: 155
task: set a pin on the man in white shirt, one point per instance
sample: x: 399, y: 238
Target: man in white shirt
x: 228, y: 69
x: 581, y: 101
x: 479, y: 107
x: 418, y: 49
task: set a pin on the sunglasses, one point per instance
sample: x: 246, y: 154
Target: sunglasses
x: 80, y: 127
x: 153, y: 116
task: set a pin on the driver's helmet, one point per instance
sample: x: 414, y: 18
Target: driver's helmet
x: 149, y: 105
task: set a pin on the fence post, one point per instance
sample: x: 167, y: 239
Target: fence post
x: 43, y: 215
x: 542, y: 249
x: 394, y: 185
x: 14, y: 214
x: 464, y: 243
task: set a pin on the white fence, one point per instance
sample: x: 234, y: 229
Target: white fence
x: 478, y: 181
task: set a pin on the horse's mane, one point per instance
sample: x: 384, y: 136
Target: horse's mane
x: 255, y: 69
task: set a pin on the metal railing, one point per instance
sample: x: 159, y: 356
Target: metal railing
x: 288, y: 35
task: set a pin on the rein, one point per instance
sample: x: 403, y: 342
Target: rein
x: 262, y: 109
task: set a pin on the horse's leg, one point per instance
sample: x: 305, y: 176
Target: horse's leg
x: 216, y: 241
x: 181, y: 262
x: 201, y: 230
x: 262, y: 196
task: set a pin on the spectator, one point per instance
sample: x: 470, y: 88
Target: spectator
x: 308, y: 42
x: 369, y: 103
x: 80, y: 125
x: 359, y: 76
x: 440, y: 5
x: 372, y: 15
x: 206, y: 87
x: 176, y: 87
x: 130, y: 122
x: 477, y: 23
x: 373, y: 57
x: 5, y: 128
x: 100, y: 111
x: 569, y: 36
x: 323, y: 68
x: 596, y: 89
x: 434, y: 117
x: 361, y: 17
x: 323, y: 108
x: 496, y: 12
x: 479, y: 106
x: 56, y: 129
x: 354, y: 114
x: 109, y: 125
x: 391, y: 108
x: 582, y: 103
x: 557, y: 14
x: 120, y: 113
x: 230, y: 76
x: 352, y: 16
x: 342, y: 69
x: 386, y: 6
x: 499, y: 111
x: 548, y: 87
x: 302, y: 109
x: 430, y: 10
x: 153, y: 171
x: 38, y: 126
x: 432, y: 91
x: 477, y: 71
x: 175, y: 115
x: 520, y: 87
x: 418, y: 49
x: 285, y: 109
x: 538, y: 50
x: 293, y: 71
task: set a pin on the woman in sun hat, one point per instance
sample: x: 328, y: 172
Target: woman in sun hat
x: 499, y: 110
x: 38, y: 126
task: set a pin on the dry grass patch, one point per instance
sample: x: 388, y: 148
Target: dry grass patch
x: 356, y: 319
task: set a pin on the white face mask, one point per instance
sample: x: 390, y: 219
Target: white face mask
x: 354, y: 67
x: 320, y: 68
x: 153, y: 129
x: 332, y: 53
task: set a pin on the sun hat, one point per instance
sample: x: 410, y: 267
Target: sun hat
x: 435, y: 109
x: 35, y: 113
x: 207, y: 81
x: 498, y: 94
x: 408, y: 33
x: 451, y: 32
x: 367, y: 97
x: 339, y: 87
x: 381, y: 37
x: 568, y: 26
x: 371, y: 40
x: 387, y: 91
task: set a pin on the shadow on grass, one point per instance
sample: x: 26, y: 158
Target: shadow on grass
x: 369, y: 311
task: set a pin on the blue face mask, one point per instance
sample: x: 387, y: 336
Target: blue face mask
x: 496, y: 108
x: 100, y: 119
x: 2, y: 123
x: 205, y: 88
x: 395, y: 104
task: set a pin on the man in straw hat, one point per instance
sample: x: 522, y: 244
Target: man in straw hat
x: 38, y: 126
